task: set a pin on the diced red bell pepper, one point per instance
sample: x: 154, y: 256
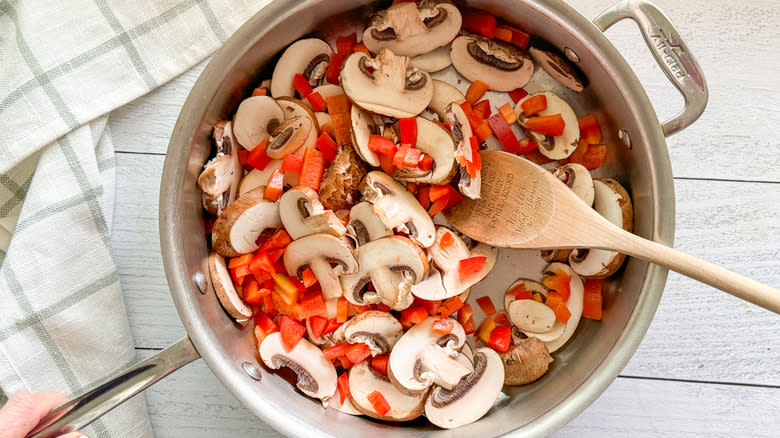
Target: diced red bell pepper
x: 519, y: 38
x: 450, y: 306
x: 239, y: 273
x: 424, y: 197
x: 487, y: 326
x: 378, y: 402
x: 470, y: 266
x: 266, y: 324
x: 312, y: 169
x: 439, y: 205
x: 382, y: 307
x: 331, y: 326
x: 483, y: 131
x: 592, y: 301
x: 412, y: 186
x: 343, y: 385
x: 257, y: 157
x: 292, y: 163
x: 438, y: 191
x: 317, y: 101
x: 594, y: 156
x: 446, y: 240
x: 408, y: 131
x: 268, y: 305
x: 502, y: 33
x: 335, y: 351
x: 386, y: 163
x: 508, y: 113
x: 455, y: 198
x: 443, y: 326
x: 413, y: 315
x: 398, y: 158
x: 239, y: 261
x: 381, y: 145
x: 275, y: 186
x: 344, y: 44
x: 379, y: 363
x: 473, y: 117
x: 279, y: 240
x: 260, y: 91
x: 327, y: 146
x: 500, y: 338
x: 360, y: 309
x: 475, y: 92
x: 254, y: 295
x: 551, y: 126
x: 527, y: 146
x: 301, y: 85
x: 334, y: 69
x: 412, y: 157
x: 517, y: 94
x: 590, y: 131
x: 431, y: 306
x: 556, y: 302
x: 534, y: 105
x: 286, y: 288
x: 312, y: 304
x: 309, y: 279
x: 466, y: 319
x: 317, y: 324
x: 261, y: 262
x: 426, y: 163
x: 243, y: 156
x: 520, y: 292
x: 559, y: 282
x: 342, y: 310
x: 504, y: 133
x: 483, y: 106
x: 481, y: 23
x: 339, y: 109
x: 358, y: 353
x: 345, y: 363
x: 553, y: 299
x: 291, y: 332
x: 486, y: 304
x: 360, y: 47
x: 502, y: 319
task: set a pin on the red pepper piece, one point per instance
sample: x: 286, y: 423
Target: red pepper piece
x: 269, y: 306
x: 486, y: 304
x: 309, y: 279
x: 312, y: 304
x: 443, y: 326
x: 280, y: 239
x: 380, y: 405
x: 590, y: 131
x: 239, y: 261
x: 343, y: 384
x: 594, y: 156
x: 483, y: 131
x: 344, y: 44
x: 508, y: 113
x: 386, y: 163
x: 534, y: 105
x: 450, y: 306
x: 275, y: 186
x: 261, y: 262
x: 551, y: 126
x: 503, y: 33
x: 291, y: 332
x: 301, y: 85
x: 317, y: 324
x: 398, y: 158
x: 519, y: 38
x: 439, y: 205
x: 446, y: 240
x: 592, y: 302
x: 358, y: 353
x: 260, y: 91
x: 334, y: 69
x: 483, y: 106
x: 342, y: 310
x: 454, y: 198
x: 426, y: 163
x: 257, y: 157
x: 292, y: 163
x: 502, y: 319
x: 423, y: 197
x: 327, y: 146
x: 475, y: 91
x: 266, y: 324
x: 335, y: 350
x: 408, y: 131
x: 331, y: 326
x: 437, y: 192
x: 381, y: 145
x: 466, y: 319
x: 559, y: 282
x: 413, y: 315
x: 360, y: 47
x: 500, y: 338
x: 412, y: 157
x: 481, y: 23
x: 345, y: 363
x: 379, y: 364
x: 517, y: 94
x: 317, y: 101
x: 470, y: 266
x: 312, y: 169
x: 504, y: 133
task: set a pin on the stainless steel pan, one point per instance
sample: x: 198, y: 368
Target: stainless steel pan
x: 588, y: 363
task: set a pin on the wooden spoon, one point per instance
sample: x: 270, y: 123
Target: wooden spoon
x: 525, y: 206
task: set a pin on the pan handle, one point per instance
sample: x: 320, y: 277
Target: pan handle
x: 671, y: 53
x: 83, y: 410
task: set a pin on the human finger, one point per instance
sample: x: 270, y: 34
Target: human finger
x: 24, y: 410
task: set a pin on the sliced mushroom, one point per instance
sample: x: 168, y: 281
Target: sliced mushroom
x: 363, y: 380
x: 364, y: 225
x: 340, y: 187
x: 433, y: 61
x: 290, y: 136
x: 334, y: 402
x: 363, y: 126
x: 435, y: 142
x: 431, y: 288
x: 554, y: 62
x: 472, y: 397
x: 310, y: 57
x: 316, y: 374
x: 387, y: 85
x: 526, y: 361
x: 531, y: 316
x: 555, y: 255
x: 323, y: 118
x: 578, y: 179
x: 295, y: 108
x: 574, y: 304
x: 318, y: 252
x: 538, y: 289
x: 411, y: 29
x: 397, y: 207
x: 462, y: 132
x: 443, y: 95
x: 216, y: 196
x: 500, y: 65
x: 392, y: 264
x: 226, y: 292
x: 256, y: 177
x: 217, y: 175
x: 239, y: 226
x: 613, y: 202
x: 448, y: 261
x: 423, y: 357
x: 256, y: 117
x: 302, y: 214
x: 379, y: 330
x: 560, y: 146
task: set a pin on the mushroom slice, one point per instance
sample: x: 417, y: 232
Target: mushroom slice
x: 318, y: 252
x: 340, y: 187
x: 531, y: 316
x: 502, y: 66
x: 423, y: 357
x: 448, y: 260
x: 255, y: 118
x: 226, y: 292
x: 363, y: 380
x: 414, y: 28
x: 256, y: 177
x: 222, y: 175
x: 316, y: 374
x: 217, y: 175
x: 293, y: 107
x: 392, y: 264
x: 431, y: 288
x: 613, y: 202
x: 541, y: 292
x: 302, y: 214
x: 241, y: 223
x: 323, y: 118
x: 555, y: 255
x: 434, y: 61
x: 364, y: 225
x: 288, y: 137
x: 472, y: 397
x: 574, y: 304
x: 554, y: 62
x: 334, y: 402
x: 363, y: 126
x: 578, y: 179
x: 310, y: 56
x: 393, y: 88
x: 443, y: 95
x: 379, y: 330
x: 436, y: 142
x: 526, y: 361
x: 558, y: 147
x: 461, y: 132
x: 397, y: 207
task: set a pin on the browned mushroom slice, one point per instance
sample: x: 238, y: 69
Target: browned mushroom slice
x: 302, y: 214
x: 221, y: 177
x: 310, y: 57
x: 363, y: 380
x: 387, y: 85
x: 462, y: 132
x: 226, y: 292
x: 435, y: 142
x: 411, y: 29
x: 255, y: 119
x: 316, y: 374
x: 318, y: 252
x: 560, y: 146
x: 339, y: 189
x: 288, y: 137
x: 554, y: 62
x: 502, y: 66
x: 526, y: 361
x: 240, y: 224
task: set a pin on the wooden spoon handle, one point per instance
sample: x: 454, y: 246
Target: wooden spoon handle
x: 706, y: 272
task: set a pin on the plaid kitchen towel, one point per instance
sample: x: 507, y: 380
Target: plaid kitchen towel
x: 64, y: 65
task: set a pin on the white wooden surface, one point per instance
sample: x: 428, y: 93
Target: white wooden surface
x: 709, y: 364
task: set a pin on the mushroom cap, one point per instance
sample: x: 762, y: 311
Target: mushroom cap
x: 363, y: 127
x: 318, y: 251
x: 303, y: 56
x: 413, y: 29
x: 340, y: 187
x: 436, y: 142
x: 302, y: 214
x: 394, y: 88
x: 531, y: 316
x: 555, y: 63
x: 226, y: 292
x: 560, y: 146
x: 502, y: 66
x: 364, y: 225
x: 443, y: 95
x: 534, y: 287
x: 395, y: 206
x: 525, y: 361
x: 423, y: 357
x: 363, y: 380
x: 433, y: 61
x: 316, y: 374
x: 379, y: 330
x: 462, y: 132
x: 574, y: 304
x: 290, y: 136
x: 448, y: 260
x: 472, y: 397
x: 292, y: 107
x: 255, y: 118
x: 240, y: 224
x: 613, y: 202
x: 578, y: 179
x: 256, y: 177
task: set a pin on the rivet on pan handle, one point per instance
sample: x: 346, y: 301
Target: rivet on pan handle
x: 671, y: 53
